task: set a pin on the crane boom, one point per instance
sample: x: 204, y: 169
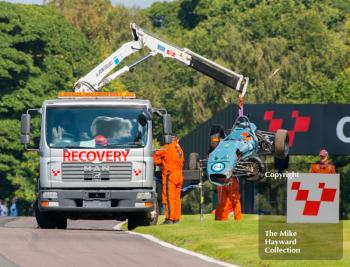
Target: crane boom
x: 98, y: 78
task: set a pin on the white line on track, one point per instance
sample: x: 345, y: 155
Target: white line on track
x: 118, y: 227
x: 188, y: 252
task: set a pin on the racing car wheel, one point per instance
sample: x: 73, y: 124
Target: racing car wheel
x: 254, y: 169
x: 281, y: 144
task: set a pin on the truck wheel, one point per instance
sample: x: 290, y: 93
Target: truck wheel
x: 137, y: 219
x: 61, y: 222
x: 132, y: 222
x: 281, y: 144
x: 45, y: 220
x: 193, y: 161
x: 153, y: 215
x: 141, y: 219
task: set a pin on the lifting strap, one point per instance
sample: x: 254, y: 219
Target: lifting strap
x: 240, y: 105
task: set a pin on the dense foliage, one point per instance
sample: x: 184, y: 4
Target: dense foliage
x: 40, y: 54
x: 293, y: 51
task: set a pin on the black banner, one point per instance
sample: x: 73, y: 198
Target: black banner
x: 311, y: 127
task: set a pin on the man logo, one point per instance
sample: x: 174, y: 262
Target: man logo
x: 313, y: 198
x: 96, y: 168
x: 96, y: 175
x: 95, y: 172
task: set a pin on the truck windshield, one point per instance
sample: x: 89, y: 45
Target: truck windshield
x: 94, y: 127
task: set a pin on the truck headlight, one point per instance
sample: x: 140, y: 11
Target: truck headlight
x: 49, y: 194
x: 144, y: 195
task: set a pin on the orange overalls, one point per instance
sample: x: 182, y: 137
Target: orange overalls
x: 229, y: 197
x: 228, y: 200
x: 322, y: 168
x: 171, y: 157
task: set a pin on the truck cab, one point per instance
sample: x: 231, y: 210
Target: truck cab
x: 96, y: 159
x: 96, y: 148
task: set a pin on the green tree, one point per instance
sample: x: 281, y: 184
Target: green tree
x: 292, y: 51
x: 40, y: 54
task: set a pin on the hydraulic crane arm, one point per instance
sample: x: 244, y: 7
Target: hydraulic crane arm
x: 96, y: 79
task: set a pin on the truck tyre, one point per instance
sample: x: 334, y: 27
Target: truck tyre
x: 138, y: 219
x: 132, y: 222
x: 153, y: 215
x: 281, y: 144
x: 141, y: 219
x: 193, y: 161
x: 61, y: 222
x: 45, y: 220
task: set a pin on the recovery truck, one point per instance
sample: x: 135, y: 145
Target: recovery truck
x: 96, y: 148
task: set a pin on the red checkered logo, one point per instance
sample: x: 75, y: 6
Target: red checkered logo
x: 301, y: 124
x: 312, y: 207
x: 137, y: 172
x: 171, y: 53
x: 55, y: 172
x: 313, y: 198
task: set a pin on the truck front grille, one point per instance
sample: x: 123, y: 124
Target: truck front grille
x: 96, y: 171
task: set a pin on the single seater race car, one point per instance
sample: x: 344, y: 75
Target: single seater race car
x: 238, y: 152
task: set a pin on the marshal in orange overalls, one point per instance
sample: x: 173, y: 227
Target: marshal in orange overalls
x: 228, y: 200
x: 320, y: 167
x: 170, y: 158
x: 323, y: 165
x: 229, y: 197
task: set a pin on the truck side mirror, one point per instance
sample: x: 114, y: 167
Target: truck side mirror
x: 147, y: 114
x: 167, y: 124
x: 25, y: 123
x: 25, y: 128
x: 167, y: 139
x: 25, y: 139
x: 142, y: 119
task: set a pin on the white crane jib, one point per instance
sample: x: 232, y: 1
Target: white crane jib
x: 98, y: 78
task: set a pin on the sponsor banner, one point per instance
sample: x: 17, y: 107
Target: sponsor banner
x: 95, y: 155
x: 310, y: 127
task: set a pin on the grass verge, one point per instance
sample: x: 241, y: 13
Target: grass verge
x: 233, y: 242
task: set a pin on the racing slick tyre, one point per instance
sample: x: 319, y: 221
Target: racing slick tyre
x: 217, y: 132
x: 255, y: 169
x: 194, y: 161
x: 45, y: 220
x: 281, y: 144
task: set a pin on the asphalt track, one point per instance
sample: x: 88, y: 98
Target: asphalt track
x: 84, y: 243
